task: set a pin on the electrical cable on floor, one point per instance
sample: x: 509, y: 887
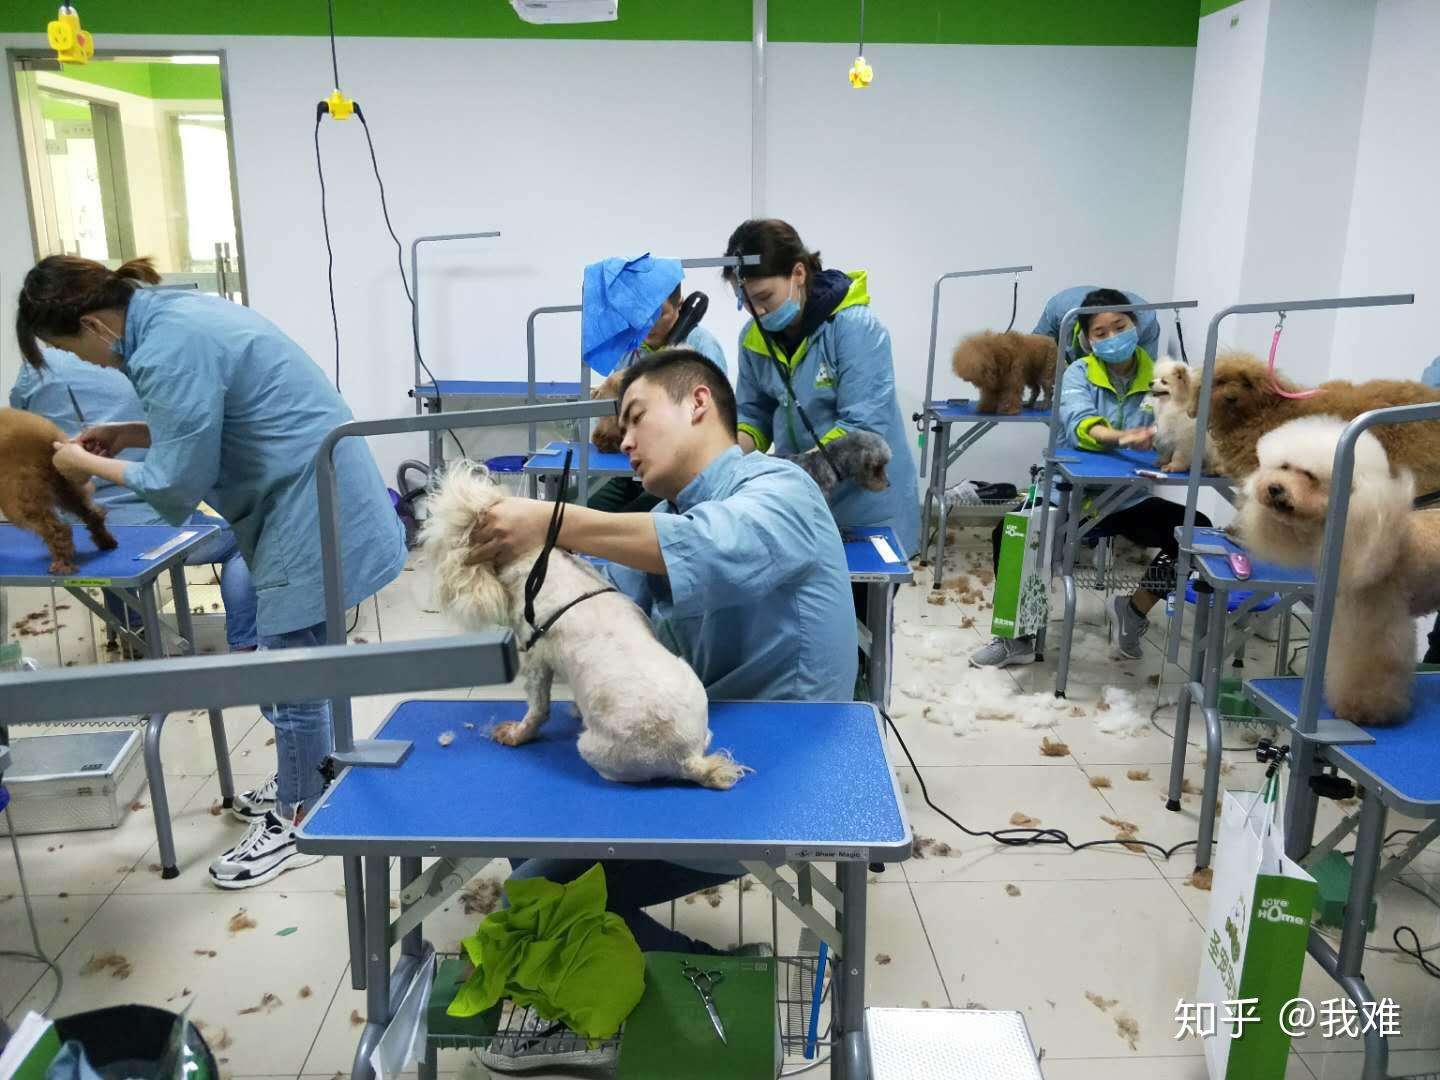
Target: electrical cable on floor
x: 1025, y: 837
x: 353, y: 622
x: 1154, y: 723
x: 38, y: 956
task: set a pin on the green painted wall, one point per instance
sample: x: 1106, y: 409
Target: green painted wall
x: 161, y: 81
x: 984, y: 22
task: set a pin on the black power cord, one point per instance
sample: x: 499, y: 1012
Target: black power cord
x: 1014, y: 306
x: 1024, y: 837
x: 321, y: 110
x: 1415, y: 952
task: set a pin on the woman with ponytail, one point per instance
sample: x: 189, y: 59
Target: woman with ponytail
x: 235, y: 413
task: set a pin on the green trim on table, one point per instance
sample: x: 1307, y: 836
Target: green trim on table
x: 1168, y: 23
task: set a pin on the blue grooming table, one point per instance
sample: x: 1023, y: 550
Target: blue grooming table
x: 484, y: 800
x: 549, y: 460
x: 504, y: 388
x: 1219, y: 634
x: 132, y: 573
x: 877, y: 561
x: 939, y: 417
x: 1099, y: 483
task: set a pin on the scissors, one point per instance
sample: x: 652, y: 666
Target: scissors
x: 704, y: 983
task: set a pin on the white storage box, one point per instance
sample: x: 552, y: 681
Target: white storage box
x: 72, y: 780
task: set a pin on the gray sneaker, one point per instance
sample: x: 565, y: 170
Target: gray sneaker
x: 1127, y: 627
x: 1005, y: 652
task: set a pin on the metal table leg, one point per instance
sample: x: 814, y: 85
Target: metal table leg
x: 1369, y: 848
x: 848, y: 1058
x: 436, y: 438
x: 353, y: 868
x: 1203, y: 600
x: 186, y: 623
x: 1067, y: 634
x: 879, y: 620
x: 1214, y: 668
x: 413, y: 945
x: 942, y: 504
x: 154, y: 770
x: 376, y: 962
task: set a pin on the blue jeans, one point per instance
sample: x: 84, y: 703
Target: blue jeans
x: 302, y: 732
x: 236, y: 590
x: 632, y: 885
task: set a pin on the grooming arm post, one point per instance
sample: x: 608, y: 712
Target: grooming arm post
x: 371, y: 752
x: 415, y: 291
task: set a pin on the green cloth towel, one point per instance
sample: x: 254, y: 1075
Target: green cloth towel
x: 557, y: 950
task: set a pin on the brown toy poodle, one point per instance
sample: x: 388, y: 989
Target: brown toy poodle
x: 606, y: 433
x: 31, y: 488
x: 1389, y: 565
x: 1244, y: 406
x: 1003, y: 366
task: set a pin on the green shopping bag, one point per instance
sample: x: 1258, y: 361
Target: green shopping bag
x: 1022, y: 580
x: 1255, y: 939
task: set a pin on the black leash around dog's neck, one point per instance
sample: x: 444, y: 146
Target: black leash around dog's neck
x: 536, y: 581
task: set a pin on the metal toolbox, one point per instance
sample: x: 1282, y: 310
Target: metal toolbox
x: 72, y: 781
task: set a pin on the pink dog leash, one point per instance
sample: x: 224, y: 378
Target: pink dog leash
x: 1293, y: 395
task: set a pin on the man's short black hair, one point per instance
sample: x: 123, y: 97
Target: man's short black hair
x: 679, y: 371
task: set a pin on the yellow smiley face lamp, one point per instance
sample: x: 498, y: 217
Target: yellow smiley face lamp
x: 72, y: 45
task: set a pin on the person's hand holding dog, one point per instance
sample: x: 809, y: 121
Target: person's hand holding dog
x: 1137, y: 438
x: 509, y: 528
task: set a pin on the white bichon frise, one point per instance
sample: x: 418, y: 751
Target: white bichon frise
x: 645, y: 714
x: 1172, y: 389
x: 1389, y: 565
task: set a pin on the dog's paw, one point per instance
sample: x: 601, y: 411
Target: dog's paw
x: 61, y: 568
x: 511, y: 733
x: 106, y: 542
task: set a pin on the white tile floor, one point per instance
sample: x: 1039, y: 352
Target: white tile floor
x: 1032, y: 929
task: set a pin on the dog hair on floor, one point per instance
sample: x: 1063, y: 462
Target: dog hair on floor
x: 1389, y: 563
x: 644, y: 711
x: 31, y: 489
x: 1172, y: 390
x: 857, y: 455
x: 1002, y: 366
x: 1244, y: 406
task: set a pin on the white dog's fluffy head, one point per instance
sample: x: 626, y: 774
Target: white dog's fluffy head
x: 1174, y: 380
x: 1288, y: 496
x: 471, y: 593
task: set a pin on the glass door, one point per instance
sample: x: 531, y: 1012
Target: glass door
x: 130, y: 155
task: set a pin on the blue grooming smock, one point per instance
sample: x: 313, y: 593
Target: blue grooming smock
x: 237, y: 412
x: 844, y: 378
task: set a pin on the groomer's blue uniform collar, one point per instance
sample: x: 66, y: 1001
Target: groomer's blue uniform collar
x: 706, y: 484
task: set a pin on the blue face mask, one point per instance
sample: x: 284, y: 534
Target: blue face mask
x: 781, y: 317
x: 116, y: 345
x: 1117, y: 349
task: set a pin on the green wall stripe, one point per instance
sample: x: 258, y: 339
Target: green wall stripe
x: 1209, y: 7
x: 939, y: 22
x: 189, y: 82
x: 968, y: 22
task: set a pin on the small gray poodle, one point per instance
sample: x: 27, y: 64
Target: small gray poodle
x: 861, y: 456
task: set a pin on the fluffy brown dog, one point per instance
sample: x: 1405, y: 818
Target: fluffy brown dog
x: 1003, y: 366
x: 1244, y: 406
x: 31, y: 488
x: 606, y: 434
x: 1389, y: 566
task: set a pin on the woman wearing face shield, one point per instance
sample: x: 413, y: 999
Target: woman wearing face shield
x: 1102, y: 407
x: 815, y: 363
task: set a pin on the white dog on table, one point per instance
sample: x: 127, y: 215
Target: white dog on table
x: 645, y: 713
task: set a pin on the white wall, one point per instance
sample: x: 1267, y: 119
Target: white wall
x: 961, y: 157
x: 956, y: 157
x: 1220, y: 160
x: 1394, y: 224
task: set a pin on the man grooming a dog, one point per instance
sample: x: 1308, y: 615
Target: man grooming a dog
x: 740, y: 568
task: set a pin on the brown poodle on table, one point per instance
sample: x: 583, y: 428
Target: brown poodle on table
x: 1244, y: 406
x: 31, y: 488
x: 1389, y: 565
x: 1003, y: 366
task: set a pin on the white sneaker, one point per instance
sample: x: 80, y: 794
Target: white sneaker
x: 265, y: 852
x: 529, y: 1042
x: 253, y: 805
